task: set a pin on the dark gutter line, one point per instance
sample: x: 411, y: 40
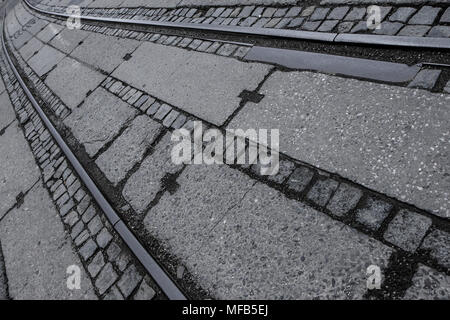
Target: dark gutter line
x: 157, y: 273
x: 368, y: 39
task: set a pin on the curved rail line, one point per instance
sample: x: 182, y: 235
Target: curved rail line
x: 163, y: 280
x: 338, y: 38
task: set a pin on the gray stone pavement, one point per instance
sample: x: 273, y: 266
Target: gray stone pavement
x: 390, y: 139
x: 45, y: 60
x: 104, y: 52
x: 243, y: 240
x: 239, y: 237
x: 189, y: 80
x: 99, y: 120
x: 128, y: 149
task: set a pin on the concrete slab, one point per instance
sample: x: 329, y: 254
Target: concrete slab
x: 45, y: 60
x: 67, y: 39
x: 71, y: 81
x: 205, y: 85
x: 428, y: 284
x: 32, y: 47
x: 49, y: 32
x: 104, y: 52
x: 391, y: 139
x: 38, y: 252
x: 142, y: 187
x: 18, y: 172
x: 99, y: 119
x: 243, y: 240
x: 128, y: 149
x: 21, y: 14
x: 2, y: 86
x: 6, y: 110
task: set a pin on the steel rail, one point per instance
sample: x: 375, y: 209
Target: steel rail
x: 163, y: 280
x: 339, y: 38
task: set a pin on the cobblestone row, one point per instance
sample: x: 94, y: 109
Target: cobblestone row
x: 221, y: 48
x: 239, y: 52
x: 430, y: 21
x: 384, y: 218
x: 114, y: 272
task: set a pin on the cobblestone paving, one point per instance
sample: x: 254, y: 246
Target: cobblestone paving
x: 107, y: 264
x: 251, y: 229
x: 432, y: 20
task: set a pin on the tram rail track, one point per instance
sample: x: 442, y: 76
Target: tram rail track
x: 379, y: 58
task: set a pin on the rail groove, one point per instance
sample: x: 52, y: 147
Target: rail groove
x: 338, y: 38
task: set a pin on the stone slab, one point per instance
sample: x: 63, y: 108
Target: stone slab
x: 45, y: 60
x: 205, y: 85
x: 104, y: 52
x: 391, y: 139
x: 67, y: 40
x: 99, y: 119
x: 50, y: 31
x: 18, y: 172
x: 28, y: 50
x: 128, y: 149
x: 71, y: 81
x: 244, y: 240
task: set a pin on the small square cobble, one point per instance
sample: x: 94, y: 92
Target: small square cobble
x: 82, y: 238
x: 162, y: 112
x: 145, y: 292
x: 388, y: 28
x: 345, y: 27
x: 426, y: 15
x: 322, y: 191
x: 269, y: 12
x: 445, y: 18
x: 293, y: 12
x: 295, y: 22
x: 345, y: 199
x: 88, y: 249
x: 300, y: 179
x: 328, y: 25
x: 355, y: 14
x: 425, y: 79
x: 338, y: 13
x: 129, y: 281
x: 414, y: 31
x: 373, y: 213
x: 95, y: 225
x: 96, y: 264
x: 104, y: 238
x: 407, y: 229
x: 440, y: 32
x: 311, y: 25
x: 402, y: 14
x: 437, y: 243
